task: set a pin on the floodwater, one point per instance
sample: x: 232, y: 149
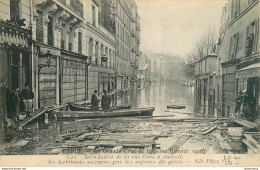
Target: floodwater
x: 133, y: 133
x: 159, y: 96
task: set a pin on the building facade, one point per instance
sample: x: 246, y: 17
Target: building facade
x: 205, y: 94
x: 16, y: 61
x: 144, y: 72
x: 121, y: 18
x: 66, y: 49
x: 100, y: 47
x: 239, y: 53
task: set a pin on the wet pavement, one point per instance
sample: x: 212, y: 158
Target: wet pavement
x: 171, y: 130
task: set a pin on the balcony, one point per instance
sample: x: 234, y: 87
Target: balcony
x: 12, y: 34
x: 132, y: 49
x: 75, y: 5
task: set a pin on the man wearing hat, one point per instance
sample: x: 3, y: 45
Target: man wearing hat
x: 249, y: 104
x: 27, y: 96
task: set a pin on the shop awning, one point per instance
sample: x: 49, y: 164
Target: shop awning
x: 252, y: 70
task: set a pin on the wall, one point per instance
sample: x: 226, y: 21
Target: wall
x: 239, y: 26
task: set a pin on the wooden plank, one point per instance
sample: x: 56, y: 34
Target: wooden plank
x: 223, y: 144
x: 90, y: 148
x: 139, y: 145
x: 251, y: 139
x: 246, y: 123
x: 85, y: 136
x: 117, y: 148
x: 56, y: 151
x: 179, y: 142
x: 250, y: 146
x: 209, y: 130
x: 34, y: 115
x: 38, y: 113
x: 253, y: 133
x: 21, y: 143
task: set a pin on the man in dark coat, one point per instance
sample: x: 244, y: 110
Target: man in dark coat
x: 27, y: 96
x: 105, y: 101
x: 249, y: 107
x: 238, y: 100
x: 94, y: 101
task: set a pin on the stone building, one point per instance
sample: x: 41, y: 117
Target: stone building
x: 101, y: 45
x: 144, y: 72
x: 60, y: 55
x: 15, y: 41
x: 205, y: 94
x: 239, y: 53
x: 121, y: 18
x: 16, y: 58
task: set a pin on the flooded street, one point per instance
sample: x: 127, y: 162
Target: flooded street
x: 169, y: 130
x: 160, y: 95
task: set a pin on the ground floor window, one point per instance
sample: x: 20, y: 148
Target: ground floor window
x: 20, y: 69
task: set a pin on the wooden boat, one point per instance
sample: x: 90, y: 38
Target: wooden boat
x: 77, y: 107
x: 63, y: 115
x: 175, y: 106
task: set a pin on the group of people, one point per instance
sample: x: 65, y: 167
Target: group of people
x: 19, y: 102
x: 245, y: 106
x: 105, y: 101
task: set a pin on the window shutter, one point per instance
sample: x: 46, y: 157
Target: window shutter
x: 247, y: 33
x: 256, y: 34
x: 236, y: 45
x: 230, y: 48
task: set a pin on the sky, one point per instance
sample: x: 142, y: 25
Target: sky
x: 173, y: 26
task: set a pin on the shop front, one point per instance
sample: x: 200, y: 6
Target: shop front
x: 73, y: 78
x: 248, y: 79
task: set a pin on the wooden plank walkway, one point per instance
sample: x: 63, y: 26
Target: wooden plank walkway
x: 36, y: 114
x: 246, y: 123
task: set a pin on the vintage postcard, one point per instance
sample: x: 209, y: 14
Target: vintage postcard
x: 129, y: 83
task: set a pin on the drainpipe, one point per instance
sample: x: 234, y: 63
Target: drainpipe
x: 32, y: 57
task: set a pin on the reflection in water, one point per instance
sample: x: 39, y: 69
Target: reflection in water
x: 161, y: 95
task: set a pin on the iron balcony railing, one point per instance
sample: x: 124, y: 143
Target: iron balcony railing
x: 75, y: 5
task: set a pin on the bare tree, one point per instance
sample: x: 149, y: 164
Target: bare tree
x: 203, y: 47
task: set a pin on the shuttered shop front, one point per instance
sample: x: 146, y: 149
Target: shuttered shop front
x: 73, y: 80
x: 47, y: 82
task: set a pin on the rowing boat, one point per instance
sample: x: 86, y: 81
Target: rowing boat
x: 61, y: 115
x: 77, y: 107
x: 175, y: 106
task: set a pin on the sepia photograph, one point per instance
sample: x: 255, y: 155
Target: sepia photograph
x: 129, y: 83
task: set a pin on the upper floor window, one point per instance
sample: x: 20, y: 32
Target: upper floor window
x: 90, y: 49
x: 251, y: 37
x: 94, y: 15
x: 15, y: 10
x: 79, y: 42
x: 235, y: 8
x: 251, y: 1
x: 233, y: 46
x: 50, y: 31
x: 39, y: 28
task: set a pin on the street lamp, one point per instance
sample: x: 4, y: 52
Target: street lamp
x: 104, y: 58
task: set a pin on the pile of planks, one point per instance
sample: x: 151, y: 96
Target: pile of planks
x: 252, y: 142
